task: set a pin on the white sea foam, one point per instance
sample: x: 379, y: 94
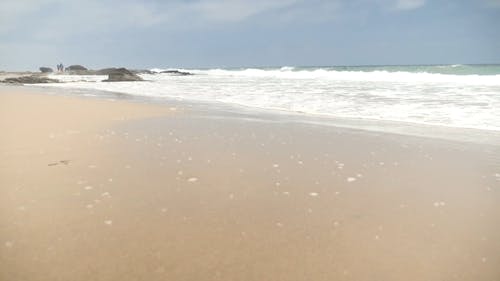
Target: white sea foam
x: 464, y: 101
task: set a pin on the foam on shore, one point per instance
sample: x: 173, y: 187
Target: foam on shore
x: 384, y: 94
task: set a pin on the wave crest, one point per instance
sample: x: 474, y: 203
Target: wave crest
x: 366, y: 76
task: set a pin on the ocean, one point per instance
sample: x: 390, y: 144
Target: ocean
x: 459, y: 96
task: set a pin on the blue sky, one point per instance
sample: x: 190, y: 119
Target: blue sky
x: 238, y: 33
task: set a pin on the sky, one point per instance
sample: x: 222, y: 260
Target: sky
x: 247, y: 33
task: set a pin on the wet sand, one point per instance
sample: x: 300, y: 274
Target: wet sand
x: 112, y: 190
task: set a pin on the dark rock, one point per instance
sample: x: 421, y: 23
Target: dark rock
x: 80, y: 70
x: 105, y: 71
x: 71, y: 70
x: 121, y: 74
x: 176, y: 72
x: 33, y: 79
x: 76, y: 67
x: 44, y: 69
x: 143, y: 71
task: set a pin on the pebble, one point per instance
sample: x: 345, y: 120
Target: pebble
x: 439, y: 204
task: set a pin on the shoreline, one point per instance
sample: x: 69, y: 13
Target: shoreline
x: 106, y: 190
x: 461, y: 109
x: 398, y: 128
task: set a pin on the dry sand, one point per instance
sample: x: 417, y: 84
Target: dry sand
x: 110, y: 190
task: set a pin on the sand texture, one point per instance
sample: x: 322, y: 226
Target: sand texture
x: 112, y: 190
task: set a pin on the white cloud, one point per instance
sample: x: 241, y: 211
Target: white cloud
x: 94, y: 15
x: 142, y: 12
x: 12, y: 11
x: 49, y: 19
x: 236, y: 10
x: 57, y: 19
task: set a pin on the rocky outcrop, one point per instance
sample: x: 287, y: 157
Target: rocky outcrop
x: 77, y: 70
x: 121, y: 74
x: 80, y: 70
x: 105, y: 71
x: 76, y: 67
x: 45, y: 69
x: 32, y: 79
x: 176, y: 72
x: 143, y: 71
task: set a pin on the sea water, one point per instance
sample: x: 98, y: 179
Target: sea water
x: 460, y: 96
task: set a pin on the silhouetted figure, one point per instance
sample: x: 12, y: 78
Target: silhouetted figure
x: 60, y: 67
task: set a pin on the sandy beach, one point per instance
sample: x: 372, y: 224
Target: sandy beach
x: 101, y: 189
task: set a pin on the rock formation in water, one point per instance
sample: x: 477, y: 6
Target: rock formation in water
x: 45, y: 69
x: 176, y: 72
x: 121, y: 74
x: 76, y: 67
x: 32, y: 79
